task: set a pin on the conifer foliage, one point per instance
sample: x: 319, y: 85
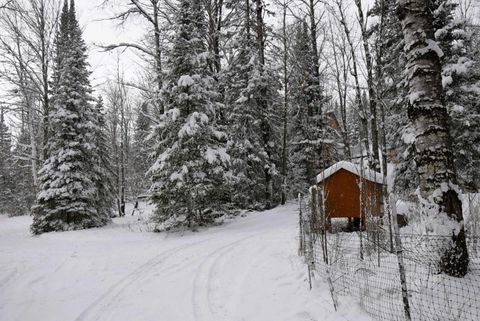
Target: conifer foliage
x: 307, y: 130
x: 71, y: 187
x: 191, y: 164
x: 6, y: 157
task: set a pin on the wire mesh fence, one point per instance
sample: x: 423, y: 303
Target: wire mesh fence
x: 365, y: 264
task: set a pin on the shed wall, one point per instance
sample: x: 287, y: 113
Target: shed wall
x: 342, y: 195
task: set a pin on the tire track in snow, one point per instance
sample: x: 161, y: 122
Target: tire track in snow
x: 202, y: 283
x: 105, y: 301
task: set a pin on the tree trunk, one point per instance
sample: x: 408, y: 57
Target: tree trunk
x: 362, y: 111
x: 371, y: 90
x: 263, y: 104
x: 429, y: 117
x: 285, y: 104
x: 313, y: 35
x: 341, y: 78
x: 158, y: 55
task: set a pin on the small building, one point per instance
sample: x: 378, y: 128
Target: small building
x: 352, y: 192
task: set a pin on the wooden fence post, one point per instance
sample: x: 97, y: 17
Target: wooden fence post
x: 399, y: 252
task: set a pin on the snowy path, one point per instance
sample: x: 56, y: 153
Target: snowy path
x: 246, y: 269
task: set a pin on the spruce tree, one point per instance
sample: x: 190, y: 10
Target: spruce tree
x: 461, y: 76
x: 251, y: 96
x: 307, y: 132
x: 191, y: 164
x: 141, y: 148
x: 68, y: 196
x: 103, y: 165
x: 6, y: 168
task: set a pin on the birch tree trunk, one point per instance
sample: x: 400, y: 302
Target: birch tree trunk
x: 429, y: 117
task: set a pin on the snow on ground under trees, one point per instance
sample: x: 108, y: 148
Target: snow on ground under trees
x: 245, y: 269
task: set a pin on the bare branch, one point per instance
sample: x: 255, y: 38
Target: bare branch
x: 127, y: 45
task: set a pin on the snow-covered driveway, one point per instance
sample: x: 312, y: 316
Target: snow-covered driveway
x: 246, y: 269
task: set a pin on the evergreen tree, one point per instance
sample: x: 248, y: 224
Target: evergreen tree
x: 251, y: 96
x: 141, y: 148
x: 191, y: 164
x: 6, y: 168
x: 69, y: 197
x: 104, y: 168
x: 392, y: 93
x: 307, y: 132
x: 461, y: 76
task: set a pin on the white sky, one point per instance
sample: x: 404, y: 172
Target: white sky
x: 95, y: 31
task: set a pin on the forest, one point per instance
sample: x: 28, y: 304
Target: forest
x: 237, y: 105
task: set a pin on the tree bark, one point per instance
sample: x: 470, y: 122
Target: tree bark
x: 285, y: 104
x: 362, y: 111
x: 372, y: 100
x: 265, y: 126
x: 158, y: 55
x: 429, y: 117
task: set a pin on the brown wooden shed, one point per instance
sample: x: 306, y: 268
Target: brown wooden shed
x: 342, y: 183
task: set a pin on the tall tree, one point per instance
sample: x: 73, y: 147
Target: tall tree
x: 156, y: 14
x: 191, y: 164
x: 307, y: 130
x: 429, y: 117
x: 6, y: 168
x: 372, y: 97
x: 250, y: 96
x: 141, y: 148
x: 461, y: 79
x: 68, y: 197
x: 103, y: 167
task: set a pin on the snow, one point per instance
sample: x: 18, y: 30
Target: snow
x: 366, y: 173
x: 414, y: 96
x: 214, y: 154
x: 193, y: 124
x: 185, y: 81
x: 245, y: 269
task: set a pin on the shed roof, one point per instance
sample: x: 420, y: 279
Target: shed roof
x: 366, y: 173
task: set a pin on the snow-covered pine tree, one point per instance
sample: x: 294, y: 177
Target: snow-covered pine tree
x: 461, y: 82
x: 433, y: 151
x: 103, y: 161
x: 307, y: 129
x: 68, y: 197
x: 141, y: 148
x: 191, y: 167
x: 250, y: 95
x: 6, y: 167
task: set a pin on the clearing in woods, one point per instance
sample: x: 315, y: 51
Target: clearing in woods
x: 245, y: 269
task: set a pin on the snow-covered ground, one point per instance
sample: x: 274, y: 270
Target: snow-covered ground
x: 246, y: 269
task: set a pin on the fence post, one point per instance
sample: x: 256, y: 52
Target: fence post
x: 399, y: 252
x: 301, y: 245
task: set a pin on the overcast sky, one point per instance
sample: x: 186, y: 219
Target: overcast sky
x: 96, y: 30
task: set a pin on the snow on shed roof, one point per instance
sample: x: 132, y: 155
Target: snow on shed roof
x: 366, y: 173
